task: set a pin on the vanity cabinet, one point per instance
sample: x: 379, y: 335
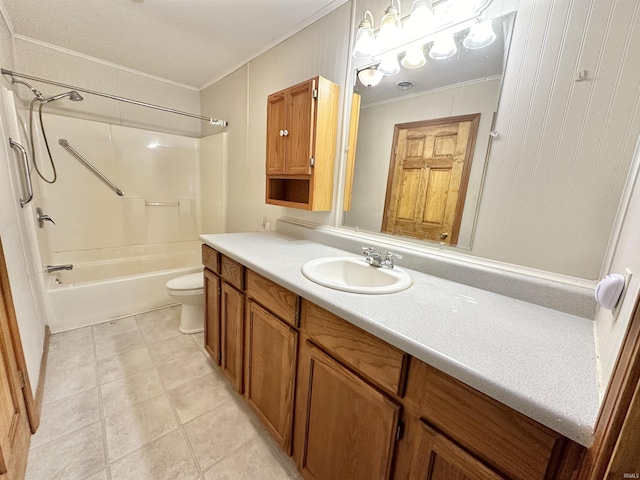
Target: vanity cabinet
x: 346, y: 404
x: 346, y: 425
x: 301, y: 145
x: 224, y: 306
x: 271, y: 351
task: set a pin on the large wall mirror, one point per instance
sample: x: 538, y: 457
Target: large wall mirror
x: 423, y: 136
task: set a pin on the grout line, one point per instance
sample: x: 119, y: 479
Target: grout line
x: 103, y: 427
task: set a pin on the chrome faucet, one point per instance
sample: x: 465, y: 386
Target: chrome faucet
x: 375, y: 259
x: 57, y: 268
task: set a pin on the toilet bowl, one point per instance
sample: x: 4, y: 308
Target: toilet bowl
x: 189, y: 291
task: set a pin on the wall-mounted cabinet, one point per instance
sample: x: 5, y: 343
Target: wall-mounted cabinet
x: 301, y: 144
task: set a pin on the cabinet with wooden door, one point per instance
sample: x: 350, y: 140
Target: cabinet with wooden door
x: 224, y: 322
x: 301, y: 145
x: 346, y: 422
x: 271, y: 350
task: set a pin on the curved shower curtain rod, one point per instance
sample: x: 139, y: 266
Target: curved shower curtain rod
x: 212, y: 121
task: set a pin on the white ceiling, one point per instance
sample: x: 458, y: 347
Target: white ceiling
x: 191, y: 42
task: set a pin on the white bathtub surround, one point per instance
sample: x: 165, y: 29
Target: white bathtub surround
x: 539, y: 361
x: 110, y: 283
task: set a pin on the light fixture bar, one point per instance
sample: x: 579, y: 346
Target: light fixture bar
x: 212, y: 121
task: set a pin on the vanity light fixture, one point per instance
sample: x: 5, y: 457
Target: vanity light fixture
x: 424, y: 25
x: 480, y: 35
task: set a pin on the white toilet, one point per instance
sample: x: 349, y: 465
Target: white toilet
x: 189, y: 291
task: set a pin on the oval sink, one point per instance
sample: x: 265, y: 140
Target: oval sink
x: 355, y: 275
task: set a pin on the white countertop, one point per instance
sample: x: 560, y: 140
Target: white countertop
x: 536, y: 360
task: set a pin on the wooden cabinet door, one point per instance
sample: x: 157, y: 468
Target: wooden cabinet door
x: 345, y: 428
x: 438, y: 458
x: 15, y: 433
x: 232, y: 333
x: 212, y: 315
x: 300, y: 126
x: 271, y: 353
x: 276, y: 124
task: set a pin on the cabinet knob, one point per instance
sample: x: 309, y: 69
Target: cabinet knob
x: 443, y: 235
x: 285, y: 133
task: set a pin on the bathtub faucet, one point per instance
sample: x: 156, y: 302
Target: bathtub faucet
x: 57, y: 268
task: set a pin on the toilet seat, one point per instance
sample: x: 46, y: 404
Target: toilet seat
x: 193, y: 281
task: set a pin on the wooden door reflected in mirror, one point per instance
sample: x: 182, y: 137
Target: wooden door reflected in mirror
x: 428, y: 177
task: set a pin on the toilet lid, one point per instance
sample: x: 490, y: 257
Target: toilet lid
x: 187, y: 282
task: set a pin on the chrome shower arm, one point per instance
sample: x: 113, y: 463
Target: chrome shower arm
x: 88, y: 164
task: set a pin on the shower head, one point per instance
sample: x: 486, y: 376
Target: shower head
x: 73, y: 96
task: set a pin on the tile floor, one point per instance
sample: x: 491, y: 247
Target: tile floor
x: 134, y: 398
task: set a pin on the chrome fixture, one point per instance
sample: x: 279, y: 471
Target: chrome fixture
x: 95, y: 171
x: 212, y: 121
x: 73, y: 96
x: 57, y: 268
x: 41, y: 218
x: 409, y: 35
x: 375, y: 259
x: 26, y: 173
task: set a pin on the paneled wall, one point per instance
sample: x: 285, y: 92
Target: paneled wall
x: 63, y: 66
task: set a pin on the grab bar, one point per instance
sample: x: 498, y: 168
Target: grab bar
x: 72, y: 151
x: 162, y: 204
x: 27, y: 173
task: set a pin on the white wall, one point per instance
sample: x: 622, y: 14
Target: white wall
x: 317, y: 50
x: 611, y: 326
x: 147, y: 166
x: 63, y: 66
x: 374, y: 148
x: 214, y: 155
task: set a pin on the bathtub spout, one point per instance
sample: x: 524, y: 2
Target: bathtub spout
x: 57, y: 268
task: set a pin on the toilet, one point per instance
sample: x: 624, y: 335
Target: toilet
x: 189, y: 291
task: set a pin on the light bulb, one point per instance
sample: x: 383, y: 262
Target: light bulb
x: 390, y: 33
x: 421, y: 18
x: 414, y: 57
x: 365, y: 40
x: 389, y: 64
x: 480, y: 35
x: 443, y: 47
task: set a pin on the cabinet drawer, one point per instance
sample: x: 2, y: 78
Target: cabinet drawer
x: 232, y: 272
x: 278, y: 300
x: 505, y: 439
x: 380, y: 362
x: 210, y: 258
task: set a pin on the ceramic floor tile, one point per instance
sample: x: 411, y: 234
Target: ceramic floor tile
x: 200, y: 395
x: 77, y: 455
x: 255, y: 460
x: 167, y: 350
x: 121, y: 365
x: 167, y: 458
x: 120, y: 343
x: 218, y: 433
x: 71, y: 356
x: 67, y: 415
x: 99, y: 476
x: 184, y: 369
x: 61, y: 383
x: 128, y: 391
x: 115, y: 327
x: 159, y: 324
x: 134, y: 427
x: 70, y: 338
x: 199, y: 339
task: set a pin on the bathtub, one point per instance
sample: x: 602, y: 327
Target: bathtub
x: 99, y: 291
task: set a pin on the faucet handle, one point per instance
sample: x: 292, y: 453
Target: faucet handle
x: 388, y: 260
x: 367, y: 250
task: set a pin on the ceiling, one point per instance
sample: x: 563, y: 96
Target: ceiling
x: 190, y: 42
